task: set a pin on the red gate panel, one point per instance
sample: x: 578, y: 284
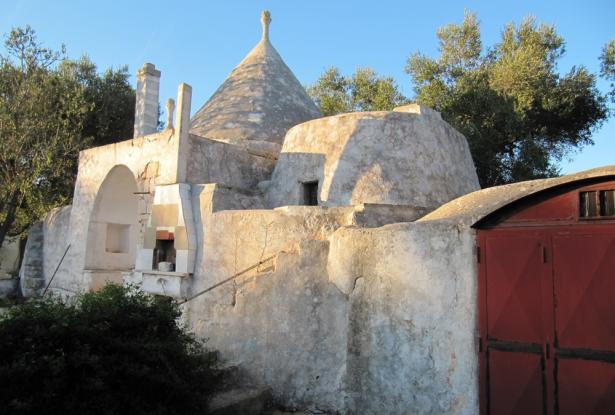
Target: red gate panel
x: 516, y: 383
x: 584, y: 270
x: 514, y: 287
x: 586, y: 387
x: 546, y: 288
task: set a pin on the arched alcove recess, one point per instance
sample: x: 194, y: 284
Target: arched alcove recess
x: 113, y: 230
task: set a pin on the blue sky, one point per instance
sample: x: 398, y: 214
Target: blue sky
x: 199, y: 42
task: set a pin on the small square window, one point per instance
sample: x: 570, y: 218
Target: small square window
x: 310, y: 193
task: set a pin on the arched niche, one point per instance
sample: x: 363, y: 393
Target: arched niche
x: 113, y: 230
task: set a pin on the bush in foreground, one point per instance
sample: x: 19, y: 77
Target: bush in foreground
x: 112, y: 352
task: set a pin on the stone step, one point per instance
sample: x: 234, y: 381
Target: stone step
x: 244, y: 401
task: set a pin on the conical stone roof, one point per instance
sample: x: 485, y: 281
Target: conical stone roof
x: 260, y: 100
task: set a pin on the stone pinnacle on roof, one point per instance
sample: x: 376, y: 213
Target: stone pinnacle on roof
x: 265, y: 21
x: 260, y: 100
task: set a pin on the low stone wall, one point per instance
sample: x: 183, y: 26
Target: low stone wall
x: 56, y: 239
x: 283, y: 321
x: 47, y: 242
x: 342, y: 319
x: 412, y: 318
x: 284, y: 326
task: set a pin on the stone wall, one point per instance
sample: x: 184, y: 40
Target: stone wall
x: 31, y: 275
x: 9, y: 267
x: 47, y: 242
x: 374, y: 157
x: 213, y: 161
x: 412, y: 318
x: 348, y: 319
x: 283, y: 322
x: 56, y: 233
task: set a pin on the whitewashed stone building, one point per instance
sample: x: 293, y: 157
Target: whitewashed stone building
x: 329, y: 257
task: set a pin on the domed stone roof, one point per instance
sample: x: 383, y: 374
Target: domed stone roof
x: 260, y: 100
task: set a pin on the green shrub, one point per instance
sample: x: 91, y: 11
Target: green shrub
x: 117, y: 351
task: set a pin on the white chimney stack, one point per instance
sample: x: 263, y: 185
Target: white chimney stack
x: 146, y: 106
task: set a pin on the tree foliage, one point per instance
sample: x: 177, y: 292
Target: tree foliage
x: 41, y: 118
x: 519, y: 114
x: 117, y: 351
x: 607, y: 65
x: 50, y: 109
x: 111, y: 99
x: 365, y: 90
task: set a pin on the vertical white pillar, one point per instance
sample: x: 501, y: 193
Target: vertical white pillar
x: 146, y: 106
x: 182, y: 129
x: 184, y: 101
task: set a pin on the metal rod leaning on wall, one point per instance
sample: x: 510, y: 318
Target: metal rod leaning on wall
x: 226, y: 280
x: 56, y: 270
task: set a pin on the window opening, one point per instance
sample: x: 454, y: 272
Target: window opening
x: 164, y: 250
x: 597, y: 204
x: 310, y: 193
x: 607, y: 202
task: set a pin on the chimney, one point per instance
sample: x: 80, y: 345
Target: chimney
x: 146, y: 106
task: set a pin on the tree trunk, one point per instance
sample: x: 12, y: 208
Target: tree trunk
x: 11, y: 210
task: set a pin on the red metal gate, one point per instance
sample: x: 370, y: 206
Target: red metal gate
x: 547, y: 313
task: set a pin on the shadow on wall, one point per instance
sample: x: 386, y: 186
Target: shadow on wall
x: 397, y: 158
x: 361, y: 174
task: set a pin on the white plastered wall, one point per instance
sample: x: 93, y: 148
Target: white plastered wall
x: 154, y: 159
x: 151, y: 160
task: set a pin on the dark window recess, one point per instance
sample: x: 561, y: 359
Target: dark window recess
x: 607, y: 202
x: 310, y: 193
x: 165, y: 248
x: 589, y: 204
x: 597, y: 204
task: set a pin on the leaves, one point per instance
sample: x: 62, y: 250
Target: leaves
x: 22, y: 45
x: 607, y: 65
x: 111, y: 99
x: 114, y: 351
x: 41, y: 115
x: 519, y: 114
x: 364, y: 91
x: 50, y: 109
